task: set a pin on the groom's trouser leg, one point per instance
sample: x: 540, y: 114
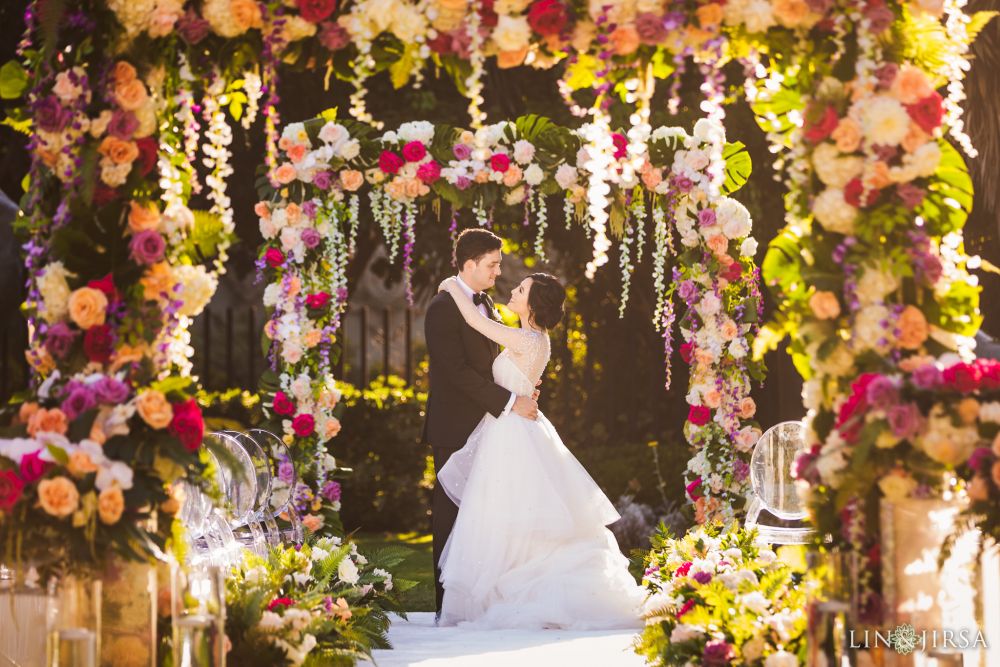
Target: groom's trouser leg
x: 443, y: 514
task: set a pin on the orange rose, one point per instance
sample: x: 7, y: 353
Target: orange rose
x: 262, y: 210
x: 143, y: 216
x: 293, y: 213
x: 968, y: 410
x: 910, y: 85
x: 285, y: 174
x: 718, y: 244
x: 27, y: 410
x: 847, y: 135
x: 729, y: 330
x: 995, y: 472
x: 296, y: 152
x: 246, y: 14
x: 913, y: 328
x: 80, y: 464
x: 294, y: 287
x: 877, y: 175
x: 123, y: 73
x: 131, y: 96
x: 341, y: 609
x: 747, y: 408
x: 158, y: 280
x: 914, y: 139
x: 312, y: 523
x: 126, y: 354
x: 624, y: 40
x: 509, y: 59
x: 118, y: 151
x: 87, y: 307
x: 824, y: 305
x: 712, y: 398
x: 512, y: 176
x: 154, y: 408
x: 312, y: 338
x: 482, y: 176
x: 332, y: 427
x: 790, y: 13
x: 415, y: 188
x: 110, y: 505
x: 710, y: 15
x: 58, y: 496
x: 651, y: 178
x: 351, y: 179
x: 48, y: 421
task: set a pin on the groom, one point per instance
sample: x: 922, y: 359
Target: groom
x: 462, y: 390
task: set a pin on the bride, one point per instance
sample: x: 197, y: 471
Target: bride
x: 529, y: 548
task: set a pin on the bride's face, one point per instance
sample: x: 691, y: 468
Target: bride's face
x: 519, y: 299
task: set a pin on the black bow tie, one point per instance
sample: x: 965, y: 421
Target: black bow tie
x: 480, y: 298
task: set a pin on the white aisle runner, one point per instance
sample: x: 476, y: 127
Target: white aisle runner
x: 418, y: 642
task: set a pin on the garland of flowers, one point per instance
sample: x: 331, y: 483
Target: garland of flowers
x: 718, y: 598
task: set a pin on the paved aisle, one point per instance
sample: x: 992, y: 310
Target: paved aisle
x: 418, y: 642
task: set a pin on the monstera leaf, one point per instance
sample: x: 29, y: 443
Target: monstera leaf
x: 772, y: 109
x: 738, y: 166
x: 553, y: 141
x: 949, y: 194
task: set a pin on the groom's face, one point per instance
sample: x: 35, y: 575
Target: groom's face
x: 485, y: 271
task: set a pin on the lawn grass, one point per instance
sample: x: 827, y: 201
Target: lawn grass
x: 418, y: 567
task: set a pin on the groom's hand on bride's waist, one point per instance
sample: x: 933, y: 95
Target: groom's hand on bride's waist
x: 525, y: 407
x: 537, y: 393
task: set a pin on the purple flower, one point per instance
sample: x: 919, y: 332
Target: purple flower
x: 59, y: 339
x: 718, y: 653
x: 331, y: 491
x: 687, y: 290
x: 123, y: 124
x: 461, y: 151
x: 702, y: 577
x: 192, y: 28
x: 650, y: 28
x: 927, y: 377
x: 683, y: 183
x: 322, y: 180
x: 461, y: 182
x: 740, y: 469
x: 309, y: 208
x: 111, y: 391
x: 286, y: 472
x: 882, y: 393
x: 706, y: 217
x: 146, y: 247
x: 674, y: 20
x: 982, y: 457
x: 904, y: 420
x: 311, y: 238
x: 911, y: 195
x: 328, y: 604
x: 333, y: 36
x: 51, y: 115
x: 80, y: 400
x: 652, y: 569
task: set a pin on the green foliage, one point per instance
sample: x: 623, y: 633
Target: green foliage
x: 13, y: 80
x: 949, y: 194
x: 738, y: 166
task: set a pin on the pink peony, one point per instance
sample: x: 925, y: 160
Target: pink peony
x: 963, y: 378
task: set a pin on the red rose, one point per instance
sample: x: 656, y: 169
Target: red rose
x: 687, y: 352
x: 304, y: 425
x: 282, y: 404
x: 274, y: 257
x: 963, y: 378
x: 318, y: 300
x: 188, y: 426
x: 11, y: 487
x: 429, y: 172
x: 104, y: 195
x: 389, y: 162
x: 441, y: 44
x: 315, y: 11
x: 928, y: 112
x: 280, y: 602
x: 820, y: 124
x: 147, y: 155
x: 699, y: 415
x: 33, y: 467
x: 733, y: 272
x: 547, y: 17
x: 414, y: 151
x: 99, y: 343
x: 487, y: 17
x: 499, y: 162
x: 989, y: 370
x: 853, y: 191
x: 621, y: 145
x: 106, y: 285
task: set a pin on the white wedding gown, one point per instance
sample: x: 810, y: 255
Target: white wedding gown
x: 529, y: 548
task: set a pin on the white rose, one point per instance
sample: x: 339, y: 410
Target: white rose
x: 296, y: 133
x: 870, y: 330
x: 269, y: 622
x: 758, y: 17
x: 533, y: 175
x: 350, y: 150
x: 198, y: 288
x: 832, y: 169
x: 755, y: 602
x: 683, y: 633
x: 348, y: 571
x: 709, y: 305
x: 515, y: 196
x: 417, y: 130
x: 297, y: 28
x: 875, y: 285
x: 408, y: 23
x: 734, y: 218
x: 524, y: 151
x: 884, y: 120
x: 566, y: 176
x: 925, y: 160
x: 710, y: 131
x: 55, y: 292
x: 753, y: 649
x: 511, y: 33
x: 733, y: 554
x: 833, y: 212
x: 749, y: 247
x: 781, y: 659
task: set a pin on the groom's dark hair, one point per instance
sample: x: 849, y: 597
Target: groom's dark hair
x: 473, y: 244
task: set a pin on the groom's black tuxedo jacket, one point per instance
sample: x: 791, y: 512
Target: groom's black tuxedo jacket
x: 461, y: 376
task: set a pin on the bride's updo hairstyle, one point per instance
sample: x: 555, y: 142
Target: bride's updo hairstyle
x: 545, y: 299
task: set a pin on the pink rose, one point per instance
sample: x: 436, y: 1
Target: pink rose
x: 283, y: 405
x: 274, y: 257
x: 32, y: 467
x: 304, y: 425
x: 699, y: 415
x: 499, y: 162
x: 318, y: 300
x: 187, y: 425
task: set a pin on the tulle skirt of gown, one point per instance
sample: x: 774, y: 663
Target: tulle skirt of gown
x: 530, y: 548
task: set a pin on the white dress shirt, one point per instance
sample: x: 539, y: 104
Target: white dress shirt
x: 482, y: 309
